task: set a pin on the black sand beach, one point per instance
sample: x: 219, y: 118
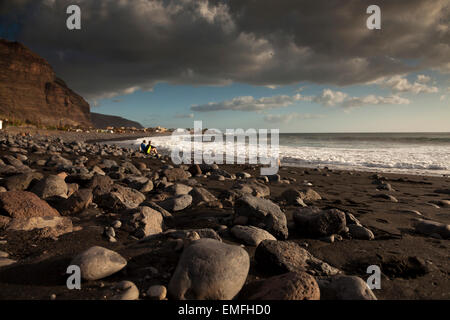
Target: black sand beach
x: 413, y: 265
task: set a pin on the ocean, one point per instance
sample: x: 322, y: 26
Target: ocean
x: 412, y: 153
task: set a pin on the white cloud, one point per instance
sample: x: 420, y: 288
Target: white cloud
x: 327, y: 98
x: 248, y: 103
x: 285, y: 118
x: 330, y: 98
x: 401, y: 84
x: 355, y: 102
x: 421, y: 78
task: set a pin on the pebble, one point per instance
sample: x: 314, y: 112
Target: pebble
x: 157, y: 292
x: 360, y: 232
x: 125, y: 290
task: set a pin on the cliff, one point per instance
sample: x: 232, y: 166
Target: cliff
x: 31, y: 92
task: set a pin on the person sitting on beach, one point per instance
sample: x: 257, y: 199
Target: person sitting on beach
x: 151, y: 149
x: 143, y: 147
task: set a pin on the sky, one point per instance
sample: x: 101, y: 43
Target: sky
x: 298, y: 66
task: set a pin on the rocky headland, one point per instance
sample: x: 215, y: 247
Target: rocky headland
x: 31, y: 93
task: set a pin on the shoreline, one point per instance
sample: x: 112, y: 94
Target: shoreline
x: 110, y: 138
x: 414, y: 172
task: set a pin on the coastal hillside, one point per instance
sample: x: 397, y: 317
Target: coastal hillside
x: 102, y: 121
x: 30, y: 92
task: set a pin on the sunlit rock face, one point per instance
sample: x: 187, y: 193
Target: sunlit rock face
x: 31, y: 92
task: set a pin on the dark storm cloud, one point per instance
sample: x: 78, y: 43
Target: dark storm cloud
x: 127, y: 45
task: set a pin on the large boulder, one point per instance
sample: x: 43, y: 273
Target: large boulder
x: 176, y: 174
x: 251, y: 187
x: 280, y: 257
x: 309, y: 196
x: 98, y: 263
x: 288, y: 286
x: 293, y: 197
x: 13, y: 161
x: 200, y: 194
x: 8, y: 170
x: 76, y: 203
x: 22, y: 181
x: 23, y: 204
x: 120, y: 198
x: 50, y: 226
x: 108, y: 164
x: 263, y: 213
x: 178, y: 189
x: 130, y: 168
x: 145, y: 221
x: 80, y: 176
x: 50, y: 186
x: 319, y: 223
x: 100, y: 183
x: 296, y: 197
x: 343, y: 287
x: 154, y: 206
x: 251, y: 235
x: 429, y: 227
x: 177, y: 203
x: 141, y: 183
x: 360, y: 232
x: 210, y: 270
x: 59, y: 162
